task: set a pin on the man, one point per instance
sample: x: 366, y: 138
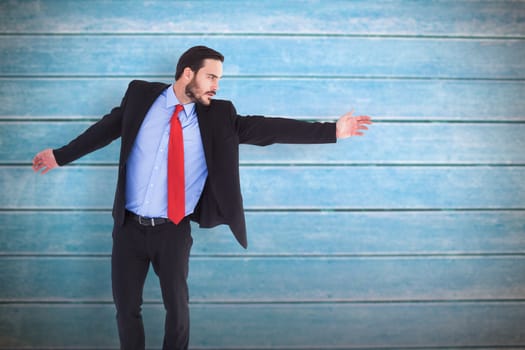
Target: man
x: 177, y: 136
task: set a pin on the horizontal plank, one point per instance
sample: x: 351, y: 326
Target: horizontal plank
x: 326, y: 326
x: 281, y: 279
x: 15, y: 136
x: 384, y: 187
x: 281, y: 56
x: 297, y: 187
x: 492, y: 18
x: 285, y: 233
x: 421, y: 99
x: 391, y: 142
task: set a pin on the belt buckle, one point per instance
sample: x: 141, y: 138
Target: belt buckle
x: 152, y: 221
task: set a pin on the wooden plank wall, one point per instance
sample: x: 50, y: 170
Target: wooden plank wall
x: 412, y: 237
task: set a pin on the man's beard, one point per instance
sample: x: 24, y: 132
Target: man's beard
x: 190, y: 92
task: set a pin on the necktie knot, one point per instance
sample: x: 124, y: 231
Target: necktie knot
x: 177, y: 110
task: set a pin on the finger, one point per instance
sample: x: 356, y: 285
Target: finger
x: 40, y: 164
x: 38, y: 159
x: 37, y: 165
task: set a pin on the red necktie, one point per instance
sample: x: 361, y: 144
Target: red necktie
x: 176, y: 200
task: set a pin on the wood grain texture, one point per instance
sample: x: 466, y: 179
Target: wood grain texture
x: 448, y: 18
x: 267, y: 326
x: 338, y: 57
x: 429, y: 99
x: 385, y: 143
x: 79, y: 233
x: 412, y: 237
x: 279, y: 279
x: 321, y: 187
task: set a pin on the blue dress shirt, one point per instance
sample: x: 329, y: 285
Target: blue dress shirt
x: 147, y: 165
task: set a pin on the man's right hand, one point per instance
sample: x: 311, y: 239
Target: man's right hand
x: 44, y: 161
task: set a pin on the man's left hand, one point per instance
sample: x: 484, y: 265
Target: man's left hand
x: 348, y: 125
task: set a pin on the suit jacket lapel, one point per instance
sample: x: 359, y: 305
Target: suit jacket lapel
x: 206, y: 128
x: 149, y: 96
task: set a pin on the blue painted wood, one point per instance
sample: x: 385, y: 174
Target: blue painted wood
x: 266, y: 326
x: 421, y: 61
x: 75, y: 233
x: 41, y: 135
x: 367, y: 187
x: 299, y: 279
x: 402, y: 143
x: 288, y: 56
x: 449, y: 17
x: 317, y: 98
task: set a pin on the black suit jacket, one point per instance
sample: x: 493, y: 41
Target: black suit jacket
x: 222, y: 130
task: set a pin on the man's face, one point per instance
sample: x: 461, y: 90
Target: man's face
x: 205, y: 82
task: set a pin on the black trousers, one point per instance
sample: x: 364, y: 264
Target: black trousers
x: 167, y: 247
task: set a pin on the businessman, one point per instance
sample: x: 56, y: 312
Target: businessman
x: 179, y: 161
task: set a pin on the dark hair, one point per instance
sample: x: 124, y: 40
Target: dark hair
x: 194, y: 59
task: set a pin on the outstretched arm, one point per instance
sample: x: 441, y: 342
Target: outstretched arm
x: 96, y: 136
x: 348, y: 125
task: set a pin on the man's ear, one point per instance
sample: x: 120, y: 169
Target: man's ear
x: 188, y: 73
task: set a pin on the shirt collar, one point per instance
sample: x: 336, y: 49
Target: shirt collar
x: 172, y: 101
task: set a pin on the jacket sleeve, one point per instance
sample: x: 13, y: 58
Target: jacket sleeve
x: 96, y: 136
x: 262, y: 131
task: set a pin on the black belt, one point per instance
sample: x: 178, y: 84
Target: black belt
x: 144, y: 221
